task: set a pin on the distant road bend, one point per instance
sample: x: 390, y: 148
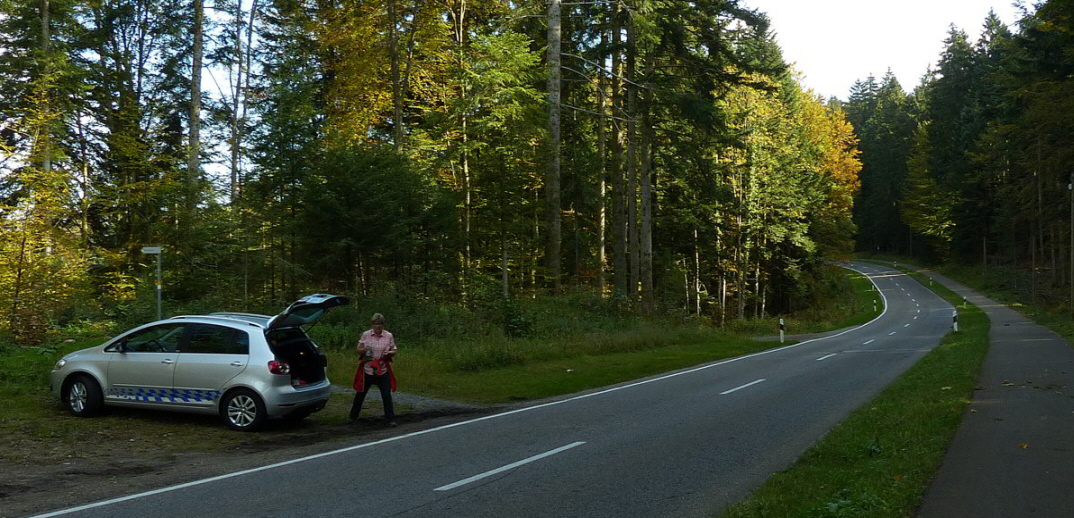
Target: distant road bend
x: 687, y: 443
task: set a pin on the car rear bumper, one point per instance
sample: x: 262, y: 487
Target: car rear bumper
x: 288, y: 399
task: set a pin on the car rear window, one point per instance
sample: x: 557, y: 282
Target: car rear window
x: 287, y: 336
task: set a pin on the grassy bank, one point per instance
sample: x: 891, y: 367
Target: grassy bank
x: 587, y: 349
x: 879, y: 461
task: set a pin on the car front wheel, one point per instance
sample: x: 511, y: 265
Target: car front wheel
x: 84, y: 397
x: 243, y: 410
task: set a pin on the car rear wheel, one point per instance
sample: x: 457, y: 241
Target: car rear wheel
x: 243, y: 410
x: 84, y: 397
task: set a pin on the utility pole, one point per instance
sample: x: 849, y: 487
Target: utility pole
x: 159, y: 252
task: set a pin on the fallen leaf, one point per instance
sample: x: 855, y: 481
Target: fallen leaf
x: 945, y: 388
x: 1023, y: 446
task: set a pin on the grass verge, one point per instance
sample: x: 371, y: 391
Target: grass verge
x: 879, y: 461
x: 579, y: 361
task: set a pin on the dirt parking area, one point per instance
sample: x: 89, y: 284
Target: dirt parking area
x: 41, y: 475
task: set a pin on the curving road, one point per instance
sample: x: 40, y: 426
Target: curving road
x: 687, y: 443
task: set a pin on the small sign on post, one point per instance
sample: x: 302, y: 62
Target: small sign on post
x: 157, y: 251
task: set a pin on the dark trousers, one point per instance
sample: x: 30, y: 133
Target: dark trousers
x: 384, y: 383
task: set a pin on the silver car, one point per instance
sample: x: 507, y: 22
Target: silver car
x: 244, y: 367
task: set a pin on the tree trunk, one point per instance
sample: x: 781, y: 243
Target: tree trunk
x: 552, y: 187
x: 236, y: 93
x: 15, y: 319
x: 83, y: 184
x: 646, y: 229
x: 504, y: 276
x: 632, y: 158
x: 397, y: 86
x: 620, y: 273
x: 697, y: 274
x: 44, y: 142
x: 193, y: 159
x: 241, y: 181
x: 602, y: 193
x: 459, y: 18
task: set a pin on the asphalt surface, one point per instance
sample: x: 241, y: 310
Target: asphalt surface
x: 1013, y: 455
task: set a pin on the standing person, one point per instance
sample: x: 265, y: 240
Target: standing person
x: 376, y: 349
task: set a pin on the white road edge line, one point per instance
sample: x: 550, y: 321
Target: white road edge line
x: 822, y: 358
x: 510, y: 466
x: 226, y: 476
x: 736, y: 389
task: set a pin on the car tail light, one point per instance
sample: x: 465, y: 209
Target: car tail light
x: 276, y: 367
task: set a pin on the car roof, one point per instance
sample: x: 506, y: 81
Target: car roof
x: 251, y: 319
x: 261, y: 320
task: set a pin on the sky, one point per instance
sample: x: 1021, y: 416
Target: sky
x: 834, y: 43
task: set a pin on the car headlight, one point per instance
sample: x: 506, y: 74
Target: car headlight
x: 60, y: 364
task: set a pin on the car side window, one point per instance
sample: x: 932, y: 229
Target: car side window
x: 157, y: 339
x: 211, y: 339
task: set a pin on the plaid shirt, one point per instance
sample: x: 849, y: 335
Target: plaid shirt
x: 381, y: 345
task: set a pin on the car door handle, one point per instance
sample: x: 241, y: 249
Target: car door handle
x: 237, y: 364
x: 167, y: 361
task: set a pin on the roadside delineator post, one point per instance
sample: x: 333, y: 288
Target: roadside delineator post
x: 954, y: 320
x: 781, y: 330
x: 874, y: 305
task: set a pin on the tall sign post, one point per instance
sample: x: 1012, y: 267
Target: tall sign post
x: 156, y: 250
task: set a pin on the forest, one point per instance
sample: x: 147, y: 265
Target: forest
x: 974, y: 165
x: 655, y: 156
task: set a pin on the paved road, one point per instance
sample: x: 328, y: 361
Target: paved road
x: 1013, y: 455
x: 684, y: 444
